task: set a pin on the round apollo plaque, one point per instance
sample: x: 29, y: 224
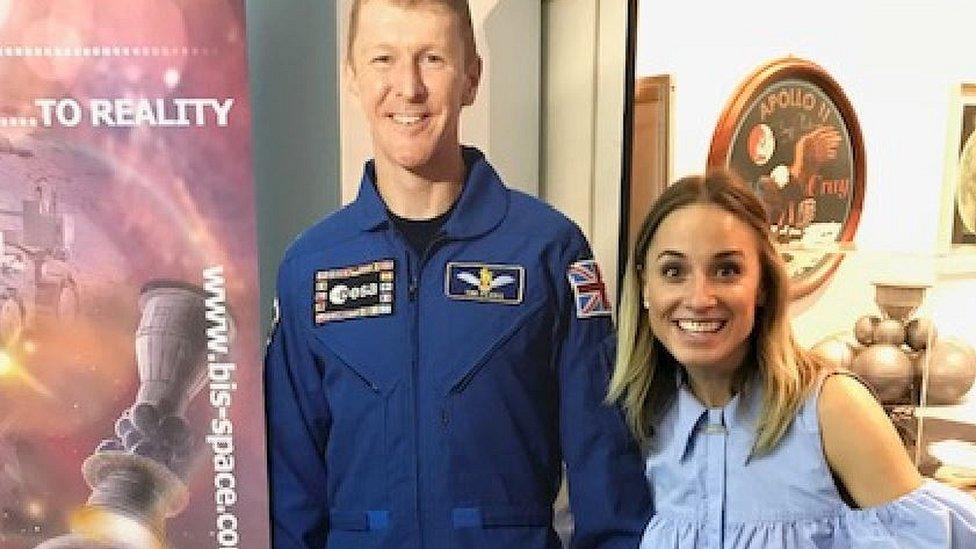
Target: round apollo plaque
x: 791, y: 134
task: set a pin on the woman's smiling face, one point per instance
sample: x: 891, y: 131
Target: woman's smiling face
x: 701, y: 286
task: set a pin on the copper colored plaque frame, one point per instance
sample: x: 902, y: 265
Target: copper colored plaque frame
x: 791, y: 134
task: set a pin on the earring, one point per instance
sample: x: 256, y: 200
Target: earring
x: 647, y: 304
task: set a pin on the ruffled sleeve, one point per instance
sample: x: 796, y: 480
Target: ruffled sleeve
x: 932, y: 516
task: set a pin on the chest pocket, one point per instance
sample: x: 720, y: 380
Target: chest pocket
x: 511, y: 342
x: 485, y: 311
x: 362, y: 369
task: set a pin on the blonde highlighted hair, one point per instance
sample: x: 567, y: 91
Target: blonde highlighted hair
x: 644, y: 380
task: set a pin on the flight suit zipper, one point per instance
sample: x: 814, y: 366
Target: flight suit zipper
x: 413, y: 281
x: 415, y: 269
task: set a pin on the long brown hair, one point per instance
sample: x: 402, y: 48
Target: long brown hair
x: 644, y: 380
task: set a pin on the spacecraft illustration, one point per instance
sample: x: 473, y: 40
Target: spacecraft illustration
x: 37, y: 280
x: 137, y: 477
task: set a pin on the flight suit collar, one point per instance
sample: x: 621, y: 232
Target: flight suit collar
x: 480, y: 208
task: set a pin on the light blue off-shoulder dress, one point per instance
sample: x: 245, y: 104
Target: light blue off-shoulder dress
x: 709, y: 493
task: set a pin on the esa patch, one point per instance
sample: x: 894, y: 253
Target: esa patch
x: 357, y: 291
x: 485, y: 282
x: 588, y: 289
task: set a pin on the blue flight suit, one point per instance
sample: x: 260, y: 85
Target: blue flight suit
x: 428, y: 400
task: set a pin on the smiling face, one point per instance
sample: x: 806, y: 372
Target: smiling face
x: 412, y: 74
x: 701, y: 284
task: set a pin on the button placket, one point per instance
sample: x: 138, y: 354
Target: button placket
x: 715, y: 440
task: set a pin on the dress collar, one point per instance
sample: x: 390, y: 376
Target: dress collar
x: 739, y: 416
x: 480, y: 208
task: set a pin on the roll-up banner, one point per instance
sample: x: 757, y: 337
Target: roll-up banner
x: 131, y: 410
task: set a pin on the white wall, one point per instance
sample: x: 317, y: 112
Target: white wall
x: 504, y: 120
x: 896, y: 60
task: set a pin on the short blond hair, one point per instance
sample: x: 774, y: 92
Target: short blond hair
x: 460, y: 8
x: 644, y: 380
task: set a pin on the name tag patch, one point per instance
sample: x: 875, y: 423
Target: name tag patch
x: 588, y: 290
x: 357, y: 291
x: 485, y: 282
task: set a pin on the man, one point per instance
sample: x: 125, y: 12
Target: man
x: 440, y: 345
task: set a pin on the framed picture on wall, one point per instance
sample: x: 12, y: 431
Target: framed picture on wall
x: 651, y: 149
x: 957, y: 225
x: 790, y: 132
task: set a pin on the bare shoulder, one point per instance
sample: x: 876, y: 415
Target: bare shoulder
x: 861, y: 445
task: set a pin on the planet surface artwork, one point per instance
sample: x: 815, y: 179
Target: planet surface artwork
x: 762, y: 144
x: 966, y: 185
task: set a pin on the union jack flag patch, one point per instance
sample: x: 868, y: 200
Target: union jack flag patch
x: 588, y: 289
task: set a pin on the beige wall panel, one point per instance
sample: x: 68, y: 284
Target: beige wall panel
x: 568, y: 107
x: 583, y: 83
x: 608, y: 137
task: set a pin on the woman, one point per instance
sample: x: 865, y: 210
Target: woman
x: 750, y: 440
